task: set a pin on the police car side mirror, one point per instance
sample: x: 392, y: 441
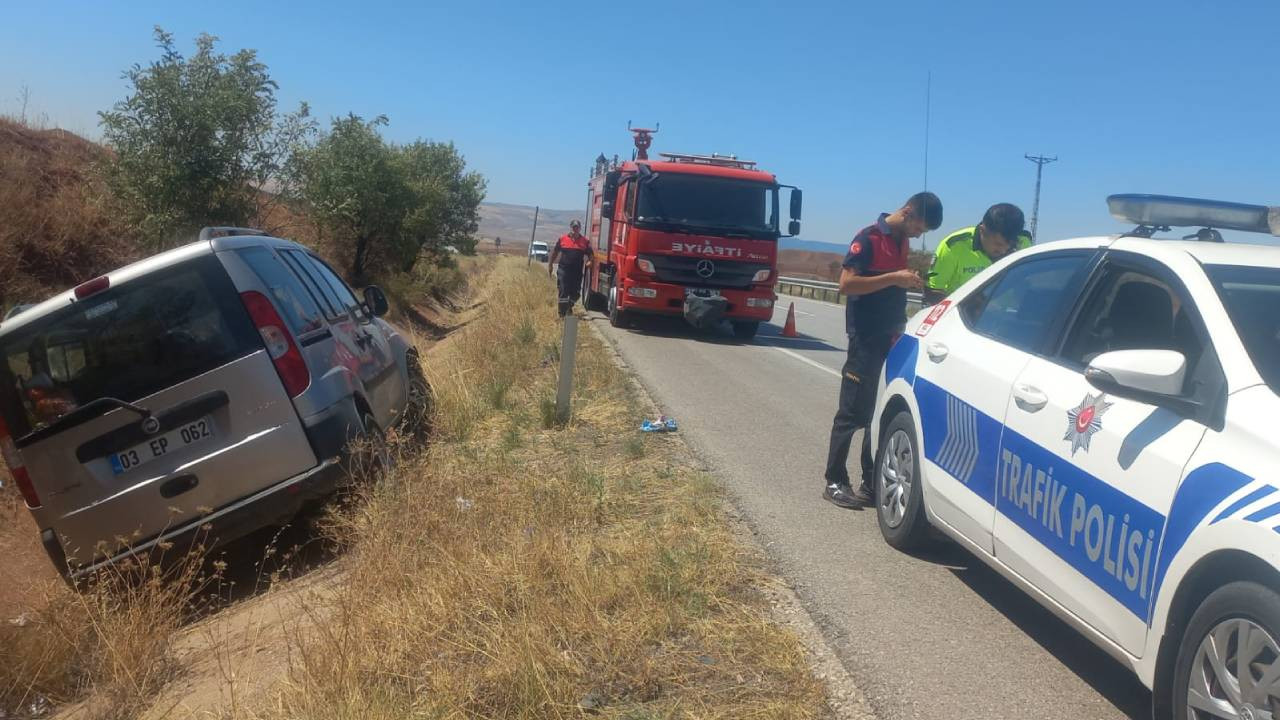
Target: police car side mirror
x: 1154, y: 377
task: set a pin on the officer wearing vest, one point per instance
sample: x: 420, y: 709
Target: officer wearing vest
x: 968, y: 251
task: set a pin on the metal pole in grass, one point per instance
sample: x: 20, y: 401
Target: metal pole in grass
x: 533, y: 235
x: 565, y: 389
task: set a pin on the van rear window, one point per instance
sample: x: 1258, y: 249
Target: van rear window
x: 128, y: 342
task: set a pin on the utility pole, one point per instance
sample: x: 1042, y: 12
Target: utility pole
x: 1040, y: 161
x: 532, y: 235
x: 928, y: 96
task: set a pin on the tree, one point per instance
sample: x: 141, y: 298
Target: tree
x: 356, y: 189
x: 195, y: 141
x: 446, y: 201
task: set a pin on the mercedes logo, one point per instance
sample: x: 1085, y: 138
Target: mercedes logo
x: 150, y: 425
x: 706, y: 268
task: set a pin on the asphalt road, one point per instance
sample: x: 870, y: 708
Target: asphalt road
x: 937, y: 634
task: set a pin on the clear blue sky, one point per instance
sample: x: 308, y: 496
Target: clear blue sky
x: 1176, y: 97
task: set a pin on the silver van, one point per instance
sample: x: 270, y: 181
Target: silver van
x: 197, y: 395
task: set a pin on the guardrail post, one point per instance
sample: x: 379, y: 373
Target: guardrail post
x: 564, y: 391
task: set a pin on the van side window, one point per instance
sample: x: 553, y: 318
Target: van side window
x: 335, y: 283
x: 295, y: 302
x: 306, y: 269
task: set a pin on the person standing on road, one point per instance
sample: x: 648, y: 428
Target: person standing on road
x: 573, y: 253
x: 968, y: 251
x: 876, y: 279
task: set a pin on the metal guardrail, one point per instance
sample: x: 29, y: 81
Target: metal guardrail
x: 830, y: 292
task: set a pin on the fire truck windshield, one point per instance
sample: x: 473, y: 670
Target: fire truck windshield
x: 708, y: 205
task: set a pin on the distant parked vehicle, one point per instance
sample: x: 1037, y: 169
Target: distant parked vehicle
x: 202, y: 393
x: 539, y: 251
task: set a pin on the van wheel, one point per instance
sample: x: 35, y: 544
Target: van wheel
x: 416, y: 420
x: 745, y: 330
x: 368, y: 457
x: 1229, y: 648
x: 617, y: 316
x: 899, y: 496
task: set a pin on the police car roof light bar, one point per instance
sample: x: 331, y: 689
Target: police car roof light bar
x: 1164, y: 212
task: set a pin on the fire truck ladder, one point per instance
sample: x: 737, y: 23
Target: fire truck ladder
x: 712, y: 159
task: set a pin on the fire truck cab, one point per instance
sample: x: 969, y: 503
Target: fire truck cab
x: 688, y: 235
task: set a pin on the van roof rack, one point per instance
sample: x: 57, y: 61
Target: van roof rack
x: 712, y: 159
x: 1162, y: 213
x: 218, y: 231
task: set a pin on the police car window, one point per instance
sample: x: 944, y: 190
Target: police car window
x: 1251, y: 296
x: 1131, y: 310
x: 1022, y: 304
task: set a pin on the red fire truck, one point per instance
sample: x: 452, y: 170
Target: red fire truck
x: 688, y: 235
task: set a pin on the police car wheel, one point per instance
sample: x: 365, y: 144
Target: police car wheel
x: 899, y: 498
x: 1229, y: 658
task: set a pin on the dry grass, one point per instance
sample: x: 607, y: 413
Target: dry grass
x: 514, y: 571
x: 517, y: 568
x: 112, y: 639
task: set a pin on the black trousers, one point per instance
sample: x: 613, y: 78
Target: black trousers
x: 859, y: 378
x: 569, y: 285
x: 568, y: 281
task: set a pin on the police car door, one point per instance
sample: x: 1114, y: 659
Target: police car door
x: 1085, y: 478
x: 970, y: 357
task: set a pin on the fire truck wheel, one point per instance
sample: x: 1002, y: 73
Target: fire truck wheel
x: 745, y: 330
x: 617, y: 316
x: 591, y: 300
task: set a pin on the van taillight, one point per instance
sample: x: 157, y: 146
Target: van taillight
x: 19, y: 472
x: 284, y: 352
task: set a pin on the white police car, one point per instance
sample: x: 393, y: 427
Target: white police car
x: 1097, y: 419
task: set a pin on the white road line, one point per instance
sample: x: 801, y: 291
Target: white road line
x: 806, y: 360
x: 798, y: 312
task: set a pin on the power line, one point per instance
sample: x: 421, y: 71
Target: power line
x: 1040, y: 161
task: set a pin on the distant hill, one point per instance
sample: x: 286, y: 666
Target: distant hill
x: 816, y: 246
x: 513, y: 224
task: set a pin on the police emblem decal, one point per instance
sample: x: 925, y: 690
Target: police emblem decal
x: 1084, y: 420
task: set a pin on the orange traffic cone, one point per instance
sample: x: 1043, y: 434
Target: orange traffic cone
x: 789, y: 330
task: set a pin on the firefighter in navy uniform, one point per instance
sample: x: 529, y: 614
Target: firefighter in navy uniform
x: 570, y: 256
x: 876, y: 279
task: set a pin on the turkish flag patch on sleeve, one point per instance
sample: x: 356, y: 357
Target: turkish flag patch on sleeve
x: 855, y: 247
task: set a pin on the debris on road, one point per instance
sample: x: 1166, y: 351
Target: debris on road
x: 662, y: 424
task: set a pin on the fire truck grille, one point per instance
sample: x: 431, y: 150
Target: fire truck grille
x: 704, y: 272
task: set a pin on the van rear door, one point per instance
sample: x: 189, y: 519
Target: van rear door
x: 212, y: 421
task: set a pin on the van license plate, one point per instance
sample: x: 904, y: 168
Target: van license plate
x: 161, y: 445
x: 701, y: 292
